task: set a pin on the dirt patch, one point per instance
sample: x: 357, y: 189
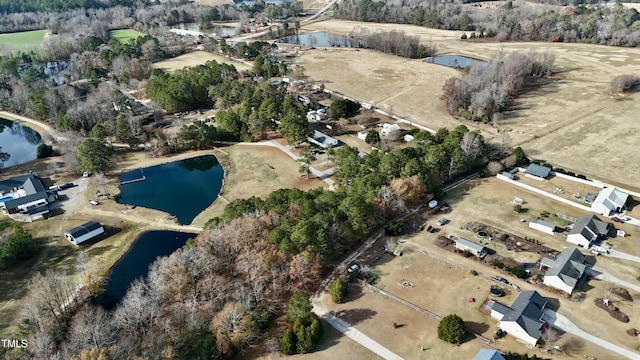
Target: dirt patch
x: 611, y: 309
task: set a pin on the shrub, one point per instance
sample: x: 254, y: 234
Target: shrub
x: 451, y: 329
x: 519, y: 272
x: 464, y: 36
x: 44, y: 151
x: 474, y: 273
x: 338, y: 291
x: 394, y: 228
x: 16, y: 245
x: 288, y: 343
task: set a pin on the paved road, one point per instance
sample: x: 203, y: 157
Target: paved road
x: 560, y: 322
x: 354, y: 334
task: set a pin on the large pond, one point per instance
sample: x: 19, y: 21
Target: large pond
x: 456, y: 61
x: 321, y: 39
x: 135, y: 264
x: 18, y: 143
x: 182, y: 188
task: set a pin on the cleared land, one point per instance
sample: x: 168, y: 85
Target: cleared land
x: 124, y: 35
x: 25, y: 40
x: 573, y: 122
x: 197, y: 58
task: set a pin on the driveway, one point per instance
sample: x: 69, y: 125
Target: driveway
x: 560, y: 322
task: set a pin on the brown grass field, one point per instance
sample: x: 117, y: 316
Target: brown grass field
x: 571, y: 122
x: 197, y: 58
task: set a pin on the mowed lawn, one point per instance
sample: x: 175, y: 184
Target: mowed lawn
x: 124, y: 35
x: 22, y: 40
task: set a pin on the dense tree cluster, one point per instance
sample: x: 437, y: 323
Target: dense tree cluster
x: 8, y: 6
x: 344, y: 108
x: 15, y: 245
x: 488, y: 87
x: 434, y: 159
x: 394, y: 42
x: 306, y: 330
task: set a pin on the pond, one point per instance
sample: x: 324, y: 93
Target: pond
x: 321, y: 39
x: 135, y: 263
x: 182, y: 188
x: 456, y: 61
x: 18, y: 143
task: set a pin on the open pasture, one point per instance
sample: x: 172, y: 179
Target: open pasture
x: 124, y: 35
x: 197, y: 58
x: 25, y: 40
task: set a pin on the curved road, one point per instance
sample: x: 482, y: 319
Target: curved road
x: 48, y: 129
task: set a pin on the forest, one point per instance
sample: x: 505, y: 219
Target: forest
x: 548, y: 21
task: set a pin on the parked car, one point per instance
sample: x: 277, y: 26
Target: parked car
x: 500, y: 279
x: 617, y: 219
x: 93, y: 202
x: 353, y: 268
x: 86, y: 174
x: 443, y: 221
x: 66, y: 186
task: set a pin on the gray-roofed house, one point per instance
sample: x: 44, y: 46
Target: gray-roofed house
x: 321, y: 139
x: 84, y: 232
x: 566, y: 271
x: 537, y: 172
x: 26, y: 194
x: 486, y: 354
x: 587, y: 229
x: 523, y: 319
x: 474, y: 248
x: 609, y: 200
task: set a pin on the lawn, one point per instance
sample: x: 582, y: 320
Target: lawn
x: 124, y: 35
x: 25, y: 40
x: 197, y: 58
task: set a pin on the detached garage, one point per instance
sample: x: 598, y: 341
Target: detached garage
x: 84, y: 232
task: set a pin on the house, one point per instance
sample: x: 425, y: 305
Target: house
x: 388, y: 129
x: 537, y: 172
x: 486, y: 354
x: 523, y: 319
x: 362, y: 135
x: 474, y: 248
x: 544, y: 226
x: 587, y: 229
x: 84, y: 232
x: 27, y: 195
x: 566, y: 271
x: 609, y: 200
x: 321, y: 139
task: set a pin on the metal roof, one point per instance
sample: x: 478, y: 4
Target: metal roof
x: 469, y: 244
x: 486, y: 354
x: 84, y: 229
x: 538, y: 170
x: 546, y: 224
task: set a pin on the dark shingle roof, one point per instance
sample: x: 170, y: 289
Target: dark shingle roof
x: 12, y: 204
x: 33, y: 185
x: 527, y: 311
x: 592, y: 223
x: 84, y: 229
x: 538, y: 170
x: 38, y: 210
x: 569, y: 266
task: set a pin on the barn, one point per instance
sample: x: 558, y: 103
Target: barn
x: 84, y: 232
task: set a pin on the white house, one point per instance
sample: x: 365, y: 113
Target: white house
x: 566, y: 271
x: 84, y: 232
x: 609, y: 200
x: 523, y: 319
x: 587, y: 229
x: 544, y: 226
x: 362, y: 135
x: 474, y: 248
x: 388, y: 129
x: 321, y: 139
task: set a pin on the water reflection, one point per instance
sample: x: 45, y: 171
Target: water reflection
x: 18, y: 143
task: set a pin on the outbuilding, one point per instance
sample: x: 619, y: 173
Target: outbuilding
x: 84, y: 232
x: 537, y: 172
x: 544, y: 226
x: 362, y: 135
x: 474, y: 248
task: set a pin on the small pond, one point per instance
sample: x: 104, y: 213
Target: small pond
x: 321, y: 39
x: 18, y: 143
x: 453, y: 61
x: 135, y: 263
x: 182, y: 188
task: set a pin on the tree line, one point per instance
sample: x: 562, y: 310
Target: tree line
x: 578, y: 21
x: 489, y: 87
x: 394, y: 42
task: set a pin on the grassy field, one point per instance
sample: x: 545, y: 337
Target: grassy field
x: 573, y: 122
x: 197, y: 58
x: 124, y: 35
x: 25, y: 40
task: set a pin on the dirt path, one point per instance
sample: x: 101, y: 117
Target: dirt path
x: 39, y: 125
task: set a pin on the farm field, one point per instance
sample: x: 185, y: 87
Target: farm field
x: 124, y: 35
x: 570, y: 122
x: 25, y: 40
x: 197, y: 58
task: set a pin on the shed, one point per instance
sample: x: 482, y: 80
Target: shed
x: 362, y: 135
x: 321, y: 139
x: 388, y: 129
x: 538, y: 172
x: 472, y: 247
x: 487, y: 354
x: 544, y: 226
x: 84, y: 232
x: 408, y: 138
